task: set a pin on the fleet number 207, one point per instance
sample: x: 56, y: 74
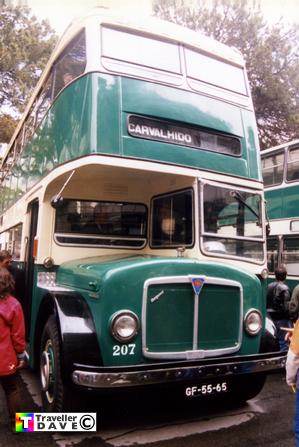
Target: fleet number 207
x: 119, y: 350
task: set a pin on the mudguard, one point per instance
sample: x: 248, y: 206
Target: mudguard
x: 269, y: 340
x: 79, y: 342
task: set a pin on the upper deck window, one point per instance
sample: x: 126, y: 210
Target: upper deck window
x: 71, y: 63
x: 137, y: 49
x: 293, y: 164
x: 213, y: 71
x: 90, y: 223
x: 272, y: 166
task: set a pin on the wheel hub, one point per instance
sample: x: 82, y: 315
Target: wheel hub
x: 47, y: 371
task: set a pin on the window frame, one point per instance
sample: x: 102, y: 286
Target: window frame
x: 278, y: 152
x: 287, y: 162
x: 104, y: 237
x: 282, y: 260
x: 173, y: 246
x: 204, y: 234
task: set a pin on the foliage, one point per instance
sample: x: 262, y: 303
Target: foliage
x: 25, y: 46
x: 7, y: 127
x: 271, y: 53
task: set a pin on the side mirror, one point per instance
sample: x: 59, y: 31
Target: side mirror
x: 57, y: 202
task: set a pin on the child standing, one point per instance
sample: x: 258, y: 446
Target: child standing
x: 12, y: 343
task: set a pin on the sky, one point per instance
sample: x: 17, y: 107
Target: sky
x: 61, y: 12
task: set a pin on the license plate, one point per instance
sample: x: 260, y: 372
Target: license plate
x: 206, y: 389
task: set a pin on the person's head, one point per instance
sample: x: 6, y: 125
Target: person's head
x: 167, y: 222
x: 168, y: 225
x: 7, y: 283
x: 281, y: 273
x: 5, y: 259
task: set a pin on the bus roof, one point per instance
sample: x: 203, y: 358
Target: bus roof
x: 280, y: 146
x: 156, y: 27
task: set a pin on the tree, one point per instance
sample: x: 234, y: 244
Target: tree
x: 25, y: 47
x: 271, y: 53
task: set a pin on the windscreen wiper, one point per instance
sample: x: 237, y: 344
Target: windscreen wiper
x: 236, y: 195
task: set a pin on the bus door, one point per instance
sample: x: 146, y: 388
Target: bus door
x: 29, y: 262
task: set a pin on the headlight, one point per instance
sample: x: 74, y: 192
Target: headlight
x: 253, y: 322
x: 124, y: 326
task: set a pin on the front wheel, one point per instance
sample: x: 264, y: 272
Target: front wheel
x: 55, y: 394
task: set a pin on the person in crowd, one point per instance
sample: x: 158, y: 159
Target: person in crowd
x: 5, y: 259
x: 18, y: 274
x: 294, y: 304
x: 12, y: 344
x: 278, y: 298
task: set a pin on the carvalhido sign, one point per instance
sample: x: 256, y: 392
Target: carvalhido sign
x: 142, y: 127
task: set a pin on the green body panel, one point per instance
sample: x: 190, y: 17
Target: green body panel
x: 114, y: 283
x: 282, y: 202
x: 154, y: 100
x: 90, y: 116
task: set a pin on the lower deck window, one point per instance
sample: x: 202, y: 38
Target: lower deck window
x: 290, y: 254
x: 110, y: 224
x: 172, y: 220
x: 231, y: 222
x: 272, y: 253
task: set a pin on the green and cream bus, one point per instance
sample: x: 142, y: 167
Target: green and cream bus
x: 132, y: 200
x: 280, y: 166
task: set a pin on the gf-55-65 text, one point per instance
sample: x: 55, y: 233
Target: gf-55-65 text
x: 208, y: 388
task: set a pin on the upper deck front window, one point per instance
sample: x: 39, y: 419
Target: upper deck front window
x: 232, y: 222
x: 71, y: 63
x: 213, y: 71
x: 124, y: 46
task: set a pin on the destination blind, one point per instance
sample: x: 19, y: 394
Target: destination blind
x: 167, y: 132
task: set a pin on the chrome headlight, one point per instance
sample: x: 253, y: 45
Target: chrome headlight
x: 253, y: 322
x: 124, y: 326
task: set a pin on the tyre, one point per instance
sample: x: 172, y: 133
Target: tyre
x: 55, y: 394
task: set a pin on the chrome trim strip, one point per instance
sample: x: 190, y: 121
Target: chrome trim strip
x: 195, y: 322
x: 100, y: 239
x: 199, y: 373
x: 195, y: 353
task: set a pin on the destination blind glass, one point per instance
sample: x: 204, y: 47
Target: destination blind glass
x: 167, y: 132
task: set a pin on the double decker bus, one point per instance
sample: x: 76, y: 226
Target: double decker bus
x: 280, y: 166
x: 132, y: 201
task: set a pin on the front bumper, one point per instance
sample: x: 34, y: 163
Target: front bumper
x: 117, y: 377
